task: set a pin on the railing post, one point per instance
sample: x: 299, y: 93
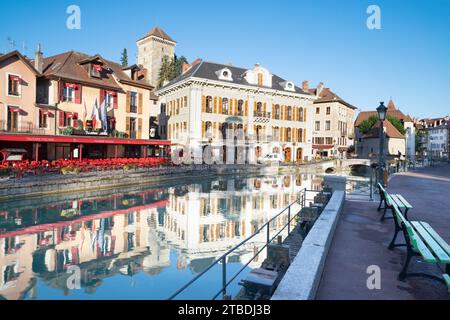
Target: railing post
x: 224, y: 276
x: 268, y: 233
x: 289, y: 220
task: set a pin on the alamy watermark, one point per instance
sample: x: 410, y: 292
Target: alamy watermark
x: 374, y: 280
x: 374, y: 19
x: 74, y: 280
x: 73, y: 21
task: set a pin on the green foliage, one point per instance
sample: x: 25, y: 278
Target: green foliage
x: 397, y: 124
x: 124, y: 58
x: 170, y: 69
x: 68, y: 131
x: 367, y: 124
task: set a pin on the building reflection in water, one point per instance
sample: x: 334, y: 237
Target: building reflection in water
x: 180, y: 228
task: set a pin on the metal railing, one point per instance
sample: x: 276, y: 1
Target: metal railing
x: 301, y: 200
x: 24, y: 127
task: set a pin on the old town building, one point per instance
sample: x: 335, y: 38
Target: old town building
x: 333, y: 118
x: 208, y: 98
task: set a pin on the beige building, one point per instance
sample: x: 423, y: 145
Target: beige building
x: 270, y: 114
x: 333, y: 123
x: 151, y: 49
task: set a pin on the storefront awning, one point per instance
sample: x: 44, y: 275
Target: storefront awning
x: 322, y: 146
x: 75, y: 139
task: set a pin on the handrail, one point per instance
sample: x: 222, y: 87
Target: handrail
x: 301, y: 199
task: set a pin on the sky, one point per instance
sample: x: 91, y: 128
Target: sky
x: 328, y: 41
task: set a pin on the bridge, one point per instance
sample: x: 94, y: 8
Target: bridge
x: 346, y: 164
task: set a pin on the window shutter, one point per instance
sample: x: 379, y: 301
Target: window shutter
x: 203, y: 129
x: 215, y: 105
x: 304, y: 135
x: 273, y: 110
x: 128, y: 101
x: 102, y: 95
x: 127, y: 126
x: 265, y: 107
x: 140, y: 103
x: 78, y: 94
x: 246, y: 108
x: 304, y: 115
x: 75, y: 116
x: 61, y: 91
x: 231, y: 106
x: 236, y: 105
x: 61, y: 118
x: 294, y: 113
x: 219, y: 103
x: 116, y: 101
x: 139, y: 133
x: 203, y: 104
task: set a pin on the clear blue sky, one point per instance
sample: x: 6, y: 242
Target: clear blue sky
x: 408, y: 59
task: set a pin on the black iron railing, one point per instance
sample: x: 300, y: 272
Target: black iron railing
x: 301, y: 200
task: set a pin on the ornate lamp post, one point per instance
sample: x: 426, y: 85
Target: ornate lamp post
x: 381, y: 110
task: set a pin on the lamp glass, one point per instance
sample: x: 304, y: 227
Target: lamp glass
x: 381, y: 112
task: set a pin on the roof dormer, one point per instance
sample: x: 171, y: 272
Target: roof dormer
x: 288, y: 86
x: 225, y: 74
x: 259, y: 76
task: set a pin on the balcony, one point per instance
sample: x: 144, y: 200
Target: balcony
x: 261, y: 117
x: 22, y: 128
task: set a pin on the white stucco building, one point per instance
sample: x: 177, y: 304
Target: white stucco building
x: 273, y: 114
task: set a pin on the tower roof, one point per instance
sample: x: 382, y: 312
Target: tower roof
x: 391, y: 105
x: 159, y: 33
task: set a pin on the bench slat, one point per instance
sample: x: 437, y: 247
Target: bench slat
x: 447, y: 280
x: 444, y: 245
x: 418, y: 244
x: 388, y: 199
x: 431, y: 243
x: 403, y: 200
x: 397, y: 201
x: 399, y: 216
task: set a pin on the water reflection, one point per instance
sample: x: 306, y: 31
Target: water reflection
x: 138, y: 245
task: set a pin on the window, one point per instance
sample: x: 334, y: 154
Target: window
x: 328, y: 125
x: 289, y: 113
x: 328, y: 140
x: 224, y: 106
x: 277, y: 111
x: 328, y: 110
x: 43, y: 119
x: 13, y: 119
x: 300, y: 135
x: 69, y: 93
x: 300, y: 114
x: 133, y: 102
x: 276, y: 133
x: 96, y: 71
x: 185, y: 101
x: 288, y: 135
x: 240, y: 107
x: 317, y: 110
x: 259, y: 108
x: 317, y: 125
x: 209, y: 104
x: 109, y: 99
x: 260, y: 79
x: 13, y: 85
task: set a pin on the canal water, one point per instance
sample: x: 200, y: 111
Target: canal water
x: 139, y: 243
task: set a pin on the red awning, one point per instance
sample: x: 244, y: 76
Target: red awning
x: 14, y: 109
x: 46, y: 112
x: 343, y: 149
x: 112, y: 93
x: 80, y: 139
x: 14, y: 78
x: 322, y: 146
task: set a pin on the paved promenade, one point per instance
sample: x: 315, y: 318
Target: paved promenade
x: 361, y: 240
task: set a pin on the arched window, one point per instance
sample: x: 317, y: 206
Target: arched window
x: 300, y: 135
x: 289, y: 113
x: 300, y: 114
x: 288, y: 135
x: 208, y: 128
x: 225, y: 106
x: 259, y: 109
x: 277, y: 111
x: 259, y: 131
x: 240, y: 107
x: 209, y: 108
x: 276, y: 134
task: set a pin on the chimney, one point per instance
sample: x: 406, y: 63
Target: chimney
x: 305, y: 85
x: 319, y: 88
x: 39, y: 60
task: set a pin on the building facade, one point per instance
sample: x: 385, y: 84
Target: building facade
x: 95, y: 107
x: 399, y: 145
x: 437, y: 137
x: 265, y: 113
x: 333, y: 123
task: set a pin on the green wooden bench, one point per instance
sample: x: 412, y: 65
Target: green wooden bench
x: 422, y: 240
x: 390, y: 200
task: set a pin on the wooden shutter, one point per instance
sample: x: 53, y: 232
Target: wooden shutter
x: 102, y: 95
x: 304, y: 115
x: 203, y: 104
x: 61, y: 91
x: 127, y: 127
x: 139, y: 133
x: 140, y: 103
x: 61, y: 118
x: 219, y: 103
x: 78, y: 94
x: 203, y: 129
x: 230, y: 109
x: 116, y: 101
x: 282, y: 112
x: 294, y: 113
x: 128, y: 101
x: 246, y: 108
x: 273, y: 110
x: 304, y: 135
x: 265, y: 107
x: 236, y: 109
x: 215, y: 105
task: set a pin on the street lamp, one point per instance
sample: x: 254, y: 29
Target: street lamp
x: 381, y: 110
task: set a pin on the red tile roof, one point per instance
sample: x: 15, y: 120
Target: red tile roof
x: 392, y: 111
x: 326, y: 95
x: 159, y: 33
x: 391, y: 131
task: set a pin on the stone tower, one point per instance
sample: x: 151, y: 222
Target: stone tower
x: 151, y: 49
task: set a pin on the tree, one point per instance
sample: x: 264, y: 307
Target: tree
x: 170, y: 69
x: 397, y: 124
x: 124, y: 58
x: 367, y: 124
